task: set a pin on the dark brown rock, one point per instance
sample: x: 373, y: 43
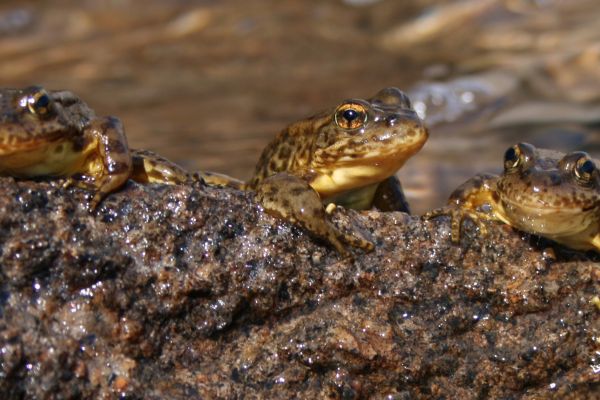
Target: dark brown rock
x: 192, y: 292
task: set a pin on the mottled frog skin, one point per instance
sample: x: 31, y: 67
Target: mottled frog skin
x: 542, y: 192
x: 54, y: 133
x: 346, y: 156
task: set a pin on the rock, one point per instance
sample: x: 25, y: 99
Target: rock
x: 193, y: 292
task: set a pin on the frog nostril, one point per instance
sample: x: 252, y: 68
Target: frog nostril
x: 391, y: 120
x: 555, y: 180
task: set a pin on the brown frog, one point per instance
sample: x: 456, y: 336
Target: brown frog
x: 542, y: 192
x: 346, y: 156
x: 54, y: 133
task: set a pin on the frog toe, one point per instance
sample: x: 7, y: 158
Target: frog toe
x: 69, y: 182
x: 359, y: 242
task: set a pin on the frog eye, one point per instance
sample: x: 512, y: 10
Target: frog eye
x: 38, y: 103
x: 584, y: 168
x: 350, y: 116
x: 512, y: 158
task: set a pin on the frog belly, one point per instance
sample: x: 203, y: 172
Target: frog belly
x: 52, y: 159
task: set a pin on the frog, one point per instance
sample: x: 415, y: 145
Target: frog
x: 344, y: 156
x: 541, y: 192
x: 55, y: 134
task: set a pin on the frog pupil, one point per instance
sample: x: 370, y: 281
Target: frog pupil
x: 510, y: 155
x: 350, y: 115
x: 587, y: 167
x: 43, y: 101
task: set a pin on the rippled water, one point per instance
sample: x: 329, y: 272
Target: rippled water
x: 208, y: 83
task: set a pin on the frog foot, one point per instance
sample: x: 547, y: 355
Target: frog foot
x: 98, y: 188
x: 219, y: 180
x: 457, y: 216
x: 294, y: 200
x: 353, y: 240
x: 149, y: 167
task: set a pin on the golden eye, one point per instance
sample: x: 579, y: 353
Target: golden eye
x: 350, y: 116
x: 512, y: 158
x: 39, y: 102
x: 584, y: 168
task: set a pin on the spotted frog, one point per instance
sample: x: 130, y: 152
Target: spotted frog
x: 346, y: 156
x: 54, y: 133
x: 542, y: 192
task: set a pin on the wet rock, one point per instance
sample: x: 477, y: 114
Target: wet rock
x: 192, y: 292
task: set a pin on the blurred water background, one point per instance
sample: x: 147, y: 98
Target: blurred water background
x: 209, y: 83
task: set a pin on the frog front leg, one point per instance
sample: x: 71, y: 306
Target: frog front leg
x: 290, y: 198
x: 108, y: 164
x: 466, y: 201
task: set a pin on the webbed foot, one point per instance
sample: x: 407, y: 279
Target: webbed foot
x: 292, y: 199
x: 457, y: 216
x: 149, y: 167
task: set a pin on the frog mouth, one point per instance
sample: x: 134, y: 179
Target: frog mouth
x: 545, y: 219
x: 539, y: 207
x: 346, y: 174
x: 392, y: 152
x: 529, y: 211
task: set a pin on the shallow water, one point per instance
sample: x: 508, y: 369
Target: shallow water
x: 208, y: 83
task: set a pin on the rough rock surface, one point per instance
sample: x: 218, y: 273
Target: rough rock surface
x: 193, y: 292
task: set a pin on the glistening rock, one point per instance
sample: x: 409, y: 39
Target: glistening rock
x: 193, y: 292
